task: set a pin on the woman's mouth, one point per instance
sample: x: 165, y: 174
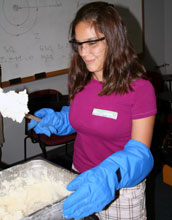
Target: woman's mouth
x: 89, y: 62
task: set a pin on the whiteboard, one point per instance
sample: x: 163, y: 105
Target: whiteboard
x: 34, y: 33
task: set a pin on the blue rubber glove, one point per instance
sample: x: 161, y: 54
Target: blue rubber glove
x: 95, y: 188
x: 52, y: 122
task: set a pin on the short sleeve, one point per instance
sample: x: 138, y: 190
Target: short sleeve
x: 144, y: 99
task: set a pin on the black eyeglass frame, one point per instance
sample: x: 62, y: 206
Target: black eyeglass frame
x: 87, y: 41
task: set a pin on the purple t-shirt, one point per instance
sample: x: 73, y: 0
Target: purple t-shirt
x: 103, y: 123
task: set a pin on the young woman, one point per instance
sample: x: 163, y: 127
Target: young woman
x: 112, y: 110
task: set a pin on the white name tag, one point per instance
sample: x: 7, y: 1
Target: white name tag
x: 105, y: 113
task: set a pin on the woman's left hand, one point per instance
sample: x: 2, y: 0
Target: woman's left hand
x: 94, y: 189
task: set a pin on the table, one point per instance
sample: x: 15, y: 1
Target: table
x: 165, y: 96
x: 168, y: 78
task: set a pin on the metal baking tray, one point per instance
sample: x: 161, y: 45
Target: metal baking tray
x: 37, y: 167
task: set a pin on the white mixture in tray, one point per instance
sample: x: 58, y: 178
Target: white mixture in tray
x: 23, y: 196
x: 14, y: 105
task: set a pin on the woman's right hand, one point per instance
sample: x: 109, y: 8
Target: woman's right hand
x: 52, y: 122
x: 49, y: 119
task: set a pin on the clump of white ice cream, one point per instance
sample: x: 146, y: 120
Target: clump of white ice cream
x: 24, y: 195
x: 14, y: 105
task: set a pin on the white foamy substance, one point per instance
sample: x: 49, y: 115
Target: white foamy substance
x: 14, y: 105
x: 23, y: 196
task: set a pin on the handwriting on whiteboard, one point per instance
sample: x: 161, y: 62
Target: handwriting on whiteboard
x: 34, y: 34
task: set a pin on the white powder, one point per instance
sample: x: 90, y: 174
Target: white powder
x: 14, y: 105
x: 23, y: 196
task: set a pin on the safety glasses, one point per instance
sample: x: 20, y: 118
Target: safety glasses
x: 91, y: 44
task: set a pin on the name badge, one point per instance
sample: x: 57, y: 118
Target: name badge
x: 105, y: 113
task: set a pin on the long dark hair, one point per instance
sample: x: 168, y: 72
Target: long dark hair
x: 121, y: 66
